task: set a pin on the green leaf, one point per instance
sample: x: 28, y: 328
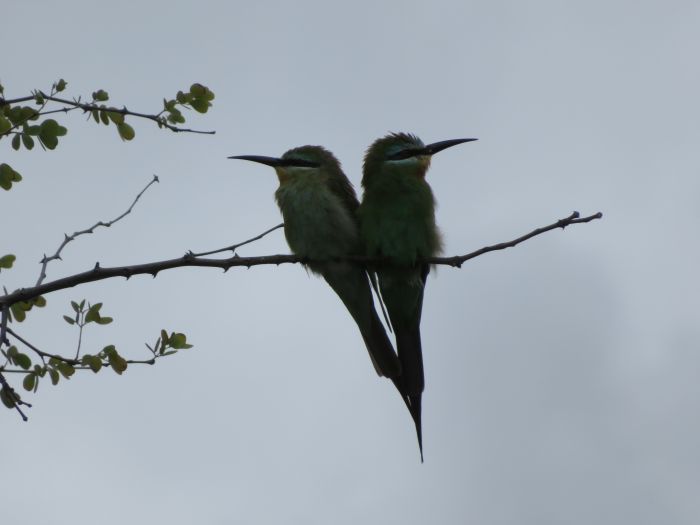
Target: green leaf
x: 14, y: 114
x: 175, y: 117
x: 6, y: 261
x: 104, y: 320
x: 5, y: 125
x: 96, y: 115
x: 75, y: 306
x: 100, y: 95
x: 65, y: 369
x: 92, y: 361
x: 54, y: 376
x: 93, y: 313
x: 5, y: 181
x: 197, y: 90
x: 104, y: 118
x: 28, y: 113
x: 61, y: 85
x: 118, y: 363
x: 109, y: 350
x: 68, y: 319
x: 115, y: 117
x: 33, y: 130
x: 18, y: 312
x: 23, y: 361
x: 200, y: 105
x: 7, y: 397
x: 48, y: 141
x: 15, y: 142
x: 179, y: 341
x: 27, y: 141
x: 29, y: 382
x: 126, y: 132
x: 39, y: 99
x: 40, y: 301
x: 49, y: 131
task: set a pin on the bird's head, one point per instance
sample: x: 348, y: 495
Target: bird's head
x: 304, y: 161
x: 402, y: 152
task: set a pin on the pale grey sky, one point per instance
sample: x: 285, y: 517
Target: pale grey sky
x: 562, y: 375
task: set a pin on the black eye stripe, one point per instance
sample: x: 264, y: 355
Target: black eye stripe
x: 300, y: 163
x: 404, y: 154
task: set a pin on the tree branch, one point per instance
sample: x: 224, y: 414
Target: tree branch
x: 234, y: 247
x: 94, y: 107
x: 98, y: 273
x: 458, y: 260
x: 68, y: 238
x: 73, y: 362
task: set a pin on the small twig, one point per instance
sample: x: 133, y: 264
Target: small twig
x: 40, y: 353
x: 99, y: 273
x: 68, y: 238
x: 3, y: 322
x: 458, y: 260
x: 80, y: 339
x: 234, y: 247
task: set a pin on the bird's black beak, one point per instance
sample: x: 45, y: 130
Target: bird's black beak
x: 435, y: 147
x: 277, y: 162
x: 268, y: 161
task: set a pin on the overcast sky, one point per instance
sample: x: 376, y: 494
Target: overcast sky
x: 561, y: 376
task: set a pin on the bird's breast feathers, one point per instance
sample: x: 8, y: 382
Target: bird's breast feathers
x: 316, y: 224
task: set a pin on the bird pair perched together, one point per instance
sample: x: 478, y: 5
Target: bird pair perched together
x: 325, y: 224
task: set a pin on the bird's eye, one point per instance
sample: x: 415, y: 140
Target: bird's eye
x: 401, y: 155
x: 301, y: 163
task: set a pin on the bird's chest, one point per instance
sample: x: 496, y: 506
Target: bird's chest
x: 399, y: 222
x: 316, y: 224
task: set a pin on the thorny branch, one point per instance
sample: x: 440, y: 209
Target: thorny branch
x: 99, y: 273
x: 68, y: 238
x: 458, y: 260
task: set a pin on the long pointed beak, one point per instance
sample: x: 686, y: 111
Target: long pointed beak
x: 436, y: 147
x: 268, y: 161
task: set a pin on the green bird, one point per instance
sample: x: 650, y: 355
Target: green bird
x: 397, y: 222
x: 319, y: 207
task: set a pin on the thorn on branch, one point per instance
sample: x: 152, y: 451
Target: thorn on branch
x: 153, y: 268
